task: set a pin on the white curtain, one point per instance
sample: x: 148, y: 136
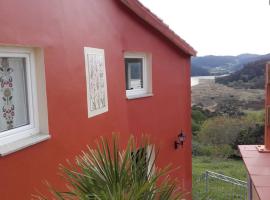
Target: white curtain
x: 13, y: 93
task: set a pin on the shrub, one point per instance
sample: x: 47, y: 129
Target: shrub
x: 198, y: 117
x: 255, y: 117
x: 107, y: 173
x: 195, y: 127
x: 252, y: 135
x: 220, y: 130
x: 222, y: 134
x: 217, y: 151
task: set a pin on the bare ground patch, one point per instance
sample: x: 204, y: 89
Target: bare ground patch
x: 214, y: 96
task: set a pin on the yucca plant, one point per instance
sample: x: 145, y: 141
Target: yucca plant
x: 108, y: 173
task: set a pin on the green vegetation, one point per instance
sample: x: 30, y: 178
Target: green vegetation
x: 199, y: 71
x: 215, y: 148
x: 219, y: 136
x: 198, y: 117
x: 108, y: 173
x: 229, y: 122
x: 218, y: 190
x: 252, y: 76
x: 229, y: 167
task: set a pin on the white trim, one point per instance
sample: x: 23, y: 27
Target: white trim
x: 36, y: 98
x: 146, y: 91
x: 32, y: 127
x: 94, y: 51
x: 137, y: 96
x: 23, y: 143
x: 41, y: 92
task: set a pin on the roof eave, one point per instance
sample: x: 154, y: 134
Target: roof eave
x: 141, y: 11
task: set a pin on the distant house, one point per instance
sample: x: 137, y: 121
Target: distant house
x: 71, y: 71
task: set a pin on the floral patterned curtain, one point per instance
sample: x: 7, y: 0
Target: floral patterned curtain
x: 13, y: 93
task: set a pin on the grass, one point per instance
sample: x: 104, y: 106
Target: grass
x: 228, y: 167
x: 219, y: 190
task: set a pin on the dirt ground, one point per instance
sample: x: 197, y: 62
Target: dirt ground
x: 211, y: 95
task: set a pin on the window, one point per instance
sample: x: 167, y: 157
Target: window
x: 13, y: 92
x: 23, y: 108
x: 138, y: 75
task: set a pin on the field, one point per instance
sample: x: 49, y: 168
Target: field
x: 212, y: 96
x: 218, y: 190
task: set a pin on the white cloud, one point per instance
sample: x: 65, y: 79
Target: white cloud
x: 219, y: 27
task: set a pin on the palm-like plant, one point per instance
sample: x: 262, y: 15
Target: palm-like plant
x: 107, y: 173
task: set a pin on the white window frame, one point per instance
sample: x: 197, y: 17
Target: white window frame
x: 36, y: 131
x: 146, y: 90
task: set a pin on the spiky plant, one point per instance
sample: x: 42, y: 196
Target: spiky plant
x: 107, y: 173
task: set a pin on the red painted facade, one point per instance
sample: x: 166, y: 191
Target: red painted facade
x: 62, y: 29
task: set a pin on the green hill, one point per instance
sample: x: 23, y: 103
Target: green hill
x: 199, y: 71
x: 252, y: 76
x: 219, y: 65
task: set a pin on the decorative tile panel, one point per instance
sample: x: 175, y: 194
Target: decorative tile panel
x: 97, y: 98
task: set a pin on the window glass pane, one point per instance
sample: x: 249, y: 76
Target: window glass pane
x: 134, y: 73
x: 13, y: 93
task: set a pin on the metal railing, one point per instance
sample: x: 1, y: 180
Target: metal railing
x: 215, y: 186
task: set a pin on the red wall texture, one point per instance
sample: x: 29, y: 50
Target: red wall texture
x: 62, y: 28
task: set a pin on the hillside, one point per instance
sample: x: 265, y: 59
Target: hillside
x: 199, y: 71
x: 219, y: 65
x: 221, y: 99
x: 252, y: 76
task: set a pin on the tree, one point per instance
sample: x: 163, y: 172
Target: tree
x: 220, y: 130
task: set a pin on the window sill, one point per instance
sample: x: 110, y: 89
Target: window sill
x: 12, y: 147
x: 137, y: 96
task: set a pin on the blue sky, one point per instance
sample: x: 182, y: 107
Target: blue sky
x: 218, y: 27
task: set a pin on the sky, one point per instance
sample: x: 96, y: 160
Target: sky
x: 218, y: 27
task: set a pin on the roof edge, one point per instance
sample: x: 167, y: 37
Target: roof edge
x: 145, y: 14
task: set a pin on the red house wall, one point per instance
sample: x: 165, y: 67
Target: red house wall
x: 62, y: 29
